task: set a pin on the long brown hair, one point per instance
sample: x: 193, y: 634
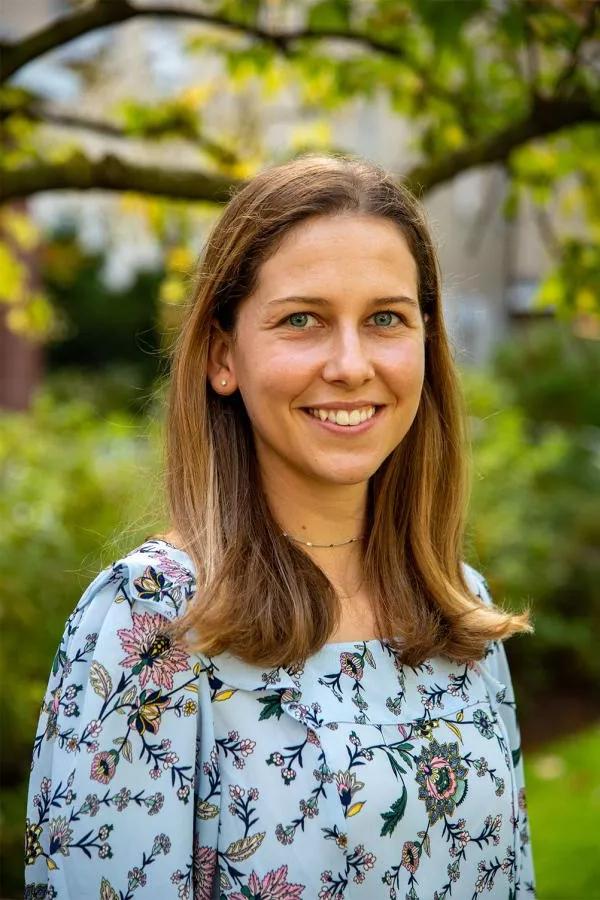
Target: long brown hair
x: 258, y: 595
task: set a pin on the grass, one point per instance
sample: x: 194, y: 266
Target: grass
x: 563, y: 794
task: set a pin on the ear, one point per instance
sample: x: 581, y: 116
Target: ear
x: 220, y: 365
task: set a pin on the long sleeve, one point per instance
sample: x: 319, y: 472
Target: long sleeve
x: 119, y: 752
x: 503, y: 700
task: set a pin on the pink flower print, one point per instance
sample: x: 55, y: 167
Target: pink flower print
x: 274, y: 886
x: 440, y: 779
x: 351, y: 665
x: 55, y: 705
x: 441, y: 776
x: 60, y: 836
x: 104, y: 766
x: 347, y: 786
x: 204, y: 865
x: 172, y: 569
x: 312, y: 737
x: 151, y: 654
x: 410, y: 856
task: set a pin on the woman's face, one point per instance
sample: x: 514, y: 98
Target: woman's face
x: 333, y: 324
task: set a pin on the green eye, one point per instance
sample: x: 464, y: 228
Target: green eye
x: 295, y: 316
x: 298, y: 319
x: 386, y: 313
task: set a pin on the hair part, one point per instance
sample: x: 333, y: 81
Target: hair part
x: 258, y: 595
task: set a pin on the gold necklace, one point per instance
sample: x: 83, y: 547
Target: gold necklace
x: 311, y: 544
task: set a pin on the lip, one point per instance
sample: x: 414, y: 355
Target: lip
x: 347, y: 430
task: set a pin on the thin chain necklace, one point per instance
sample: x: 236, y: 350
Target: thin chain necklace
x: 311, y: 544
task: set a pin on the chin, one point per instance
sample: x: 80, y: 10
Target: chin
x: 340, y: 475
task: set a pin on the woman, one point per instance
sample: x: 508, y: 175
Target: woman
x: 332, y: 716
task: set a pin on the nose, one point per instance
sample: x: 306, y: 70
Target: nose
x: 348, y: 360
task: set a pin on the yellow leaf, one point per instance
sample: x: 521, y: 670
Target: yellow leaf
x: 179, y: 258
x: 24, y: 232
x: 192, y: 688
x: 354, y: 809
x: 460, y: 715
x: 318, y: 134
x: 245, y: 847
x: 50, y: 863
x: 585, y: 300
x: 197, y: 95
x: 455, y: 730
x: 12, y: 276
x: 172, y: 291
x: 133, y: 203
x: 224, y: 695
x: 206, y: 810
x: 453, y: 136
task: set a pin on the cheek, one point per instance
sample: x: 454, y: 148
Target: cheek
x: 405, y: 367
x: 269, y: 381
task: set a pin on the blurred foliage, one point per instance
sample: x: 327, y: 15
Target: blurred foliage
x: 560, y: 176
x: 102, y: 328
x: 71, y: 471
x: 534, y: 524
x: 79, y: 489
x: 30, y: 311
x: 477, y: 82
x: 563, y: 796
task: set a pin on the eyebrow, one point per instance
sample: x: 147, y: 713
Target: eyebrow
x: 322, y: 301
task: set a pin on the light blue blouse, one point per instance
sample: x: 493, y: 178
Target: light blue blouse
x: 159, y: 774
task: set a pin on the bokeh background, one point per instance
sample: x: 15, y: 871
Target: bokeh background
x: 125, y: 124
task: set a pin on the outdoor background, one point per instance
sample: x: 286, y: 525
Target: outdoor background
x: 124, y: 127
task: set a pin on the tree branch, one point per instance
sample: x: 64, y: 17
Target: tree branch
x: 103, y: 13
x: 112, y: 173
x: 46, y: 115
x: 547, y: 116
x: 587, y: 31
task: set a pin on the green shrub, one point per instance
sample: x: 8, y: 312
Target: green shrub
x: 76, y: 491
x: 534, y: 524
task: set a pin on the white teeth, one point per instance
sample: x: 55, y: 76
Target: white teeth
x: 343, y: 416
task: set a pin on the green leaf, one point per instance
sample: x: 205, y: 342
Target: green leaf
x: 447, y: 19
x: 330, y: 14
x: 393, y: 816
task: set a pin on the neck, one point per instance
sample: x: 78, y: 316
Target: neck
x: 323, y: 513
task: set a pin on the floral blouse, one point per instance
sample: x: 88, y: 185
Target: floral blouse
x: 160, y: 774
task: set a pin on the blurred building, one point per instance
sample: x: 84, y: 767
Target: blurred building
x: 490, y: 266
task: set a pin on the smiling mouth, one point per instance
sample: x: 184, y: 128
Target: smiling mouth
x: 345, y: 424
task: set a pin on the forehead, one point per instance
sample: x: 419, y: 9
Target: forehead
x: 353, y: 246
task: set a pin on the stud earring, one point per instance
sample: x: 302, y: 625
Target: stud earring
x: 223, y: 383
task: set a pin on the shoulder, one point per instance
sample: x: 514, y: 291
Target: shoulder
x: 477, y: 583
x: 152, y: 583
x: 159, y: 577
